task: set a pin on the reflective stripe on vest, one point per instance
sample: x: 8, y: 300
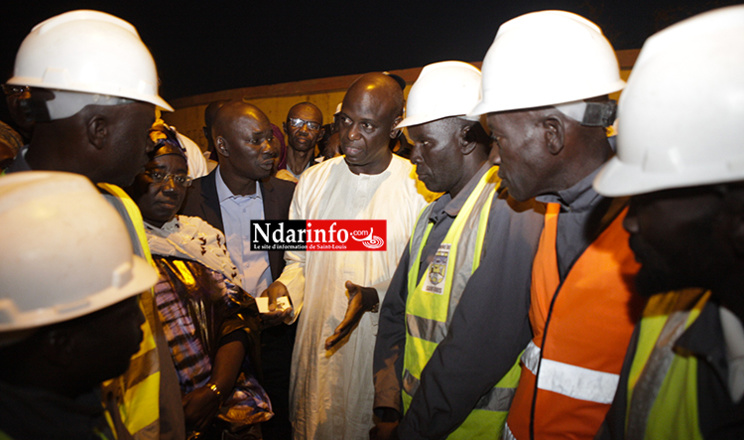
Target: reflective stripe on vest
x: 137, y: 392
x: 582, y: 325
x: 497, y: 399
x: 426, y: 329
x: 662, y: 386
x: 570, y: 380
x: 508, y: 435
x: 431, y: 303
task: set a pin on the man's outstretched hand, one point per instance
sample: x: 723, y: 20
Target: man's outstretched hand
x: 361, y: 299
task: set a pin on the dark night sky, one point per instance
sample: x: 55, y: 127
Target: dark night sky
x: 207, y: 46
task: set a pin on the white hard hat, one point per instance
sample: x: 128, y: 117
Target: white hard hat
x: 448, y: 88
x: 90, y: 52
x: 547, y: 58
x: 66, y: 251
x: 680, y: 117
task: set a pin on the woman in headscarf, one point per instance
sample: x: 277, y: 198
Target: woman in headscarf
x: 211, y: 324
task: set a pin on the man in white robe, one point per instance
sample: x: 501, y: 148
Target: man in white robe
x: 331, y: 390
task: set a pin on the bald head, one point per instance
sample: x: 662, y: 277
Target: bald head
x: 232, y: 112
x: 245, y: 146
x: 303, y: 126
x: 380, y: 88
x: 308, y: 109
x: 372, y: 107
x: 210, y: 113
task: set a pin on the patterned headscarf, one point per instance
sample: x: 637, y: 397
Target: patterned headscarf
x: 11, y: 138
x: 166, y: 141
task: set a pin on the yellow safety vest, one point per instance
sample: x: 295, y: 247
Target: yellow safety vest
x: 432, y: 301
x: 662, y: 385
x: 137, y: 392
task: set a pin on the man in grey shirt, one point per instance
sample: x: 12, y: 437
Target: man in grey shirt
x: 452, y: 156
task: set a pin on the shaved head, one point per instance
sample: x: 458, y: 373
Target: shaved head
x: 372, y: 107
x: 231, y: 112
x: 245, y: 146
x: 300, y: 135
x: 380, y: 87
x: 301, y: 108
x: 210, y: 112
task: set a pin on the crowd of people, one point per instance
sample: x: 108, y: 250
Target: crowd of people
x: 556, y: 264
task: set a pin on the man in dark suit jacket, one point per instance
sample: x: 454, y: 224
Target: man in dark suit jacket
x: 242, y: 188
x: 202, y: 201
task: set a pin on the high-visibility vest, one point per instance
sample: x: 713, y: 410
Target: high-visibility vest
x: 136, y: 394
x: 432, y: 301
x: 662, y: 385
x: 581, y: 328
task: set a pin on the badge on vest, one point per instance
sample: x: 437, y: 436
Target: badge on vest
x: 436, y: 274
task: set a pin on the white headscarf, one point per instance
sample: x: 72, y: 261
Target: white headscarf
x: 194, y: 239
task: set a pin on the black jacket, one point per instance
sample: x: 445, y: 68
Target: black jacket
x: 202, y: 201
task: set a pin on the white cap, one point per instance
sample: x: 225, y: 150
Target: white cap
x: 444, y: 89
x: 547, y: 58
x: 90, y: 52
x: 66, y: 251
x: 680, y: 117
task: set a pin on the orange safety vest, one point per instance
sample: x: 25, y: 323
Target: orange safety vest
x: 582, y: 328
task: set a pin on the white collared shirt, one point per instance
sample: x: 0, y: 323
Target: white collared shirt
x: 237, y: 213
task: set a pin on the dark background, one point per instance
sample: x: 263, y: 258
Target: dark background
x: 202, y: 47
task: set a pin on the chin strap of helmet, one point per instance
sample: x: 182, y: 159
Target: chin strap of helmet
x: 590, y: 114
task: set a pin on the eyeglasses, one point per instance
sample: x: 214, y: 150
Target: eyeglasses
x: 10, y: 89
x: 179, y: 179
x: 298, y: 123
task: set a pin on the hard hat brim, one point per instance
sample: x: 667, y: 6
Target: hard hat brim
x: 480, y: 109
x: 418, y: 120
x: 160, y: 102
x: 486, y: 106
x: 410, y: 121
x: 618, y: 179
x: 31, y: 82
x: 144, y: 276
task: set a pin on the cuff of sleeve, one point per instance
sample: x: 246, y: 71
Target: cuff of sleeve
x: 386, y: 414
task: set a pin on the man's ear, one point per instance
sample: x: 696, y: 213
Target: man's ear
x: 555, y: 133
x: 284, y: 127
x: 97, y: 130
x: 394, y: 133
x: 466, y: 140
x: 220, y: 145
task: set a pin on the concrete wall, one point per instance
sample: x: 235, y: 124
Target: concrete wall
x: 276, y: 100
